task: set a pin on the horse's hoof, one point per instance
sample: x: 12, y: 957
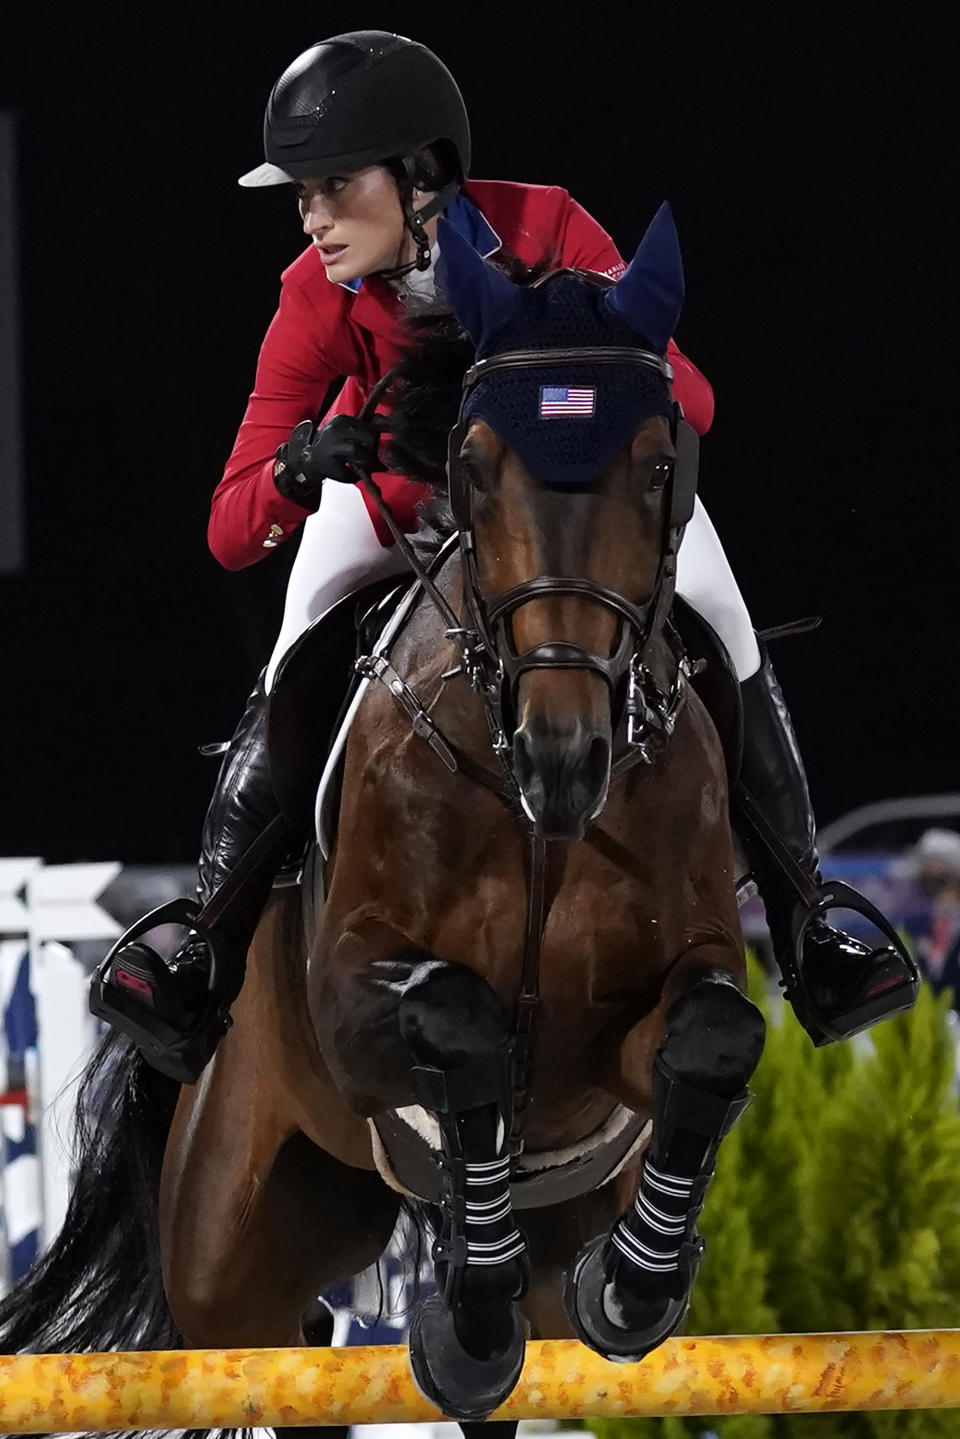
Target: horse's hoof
x: 445, y: 1373
x: 583, y: 1301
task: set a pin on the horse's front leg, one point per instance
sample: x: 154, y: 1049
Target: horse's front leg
x: 630, y: 1289
x: 406, y: 1028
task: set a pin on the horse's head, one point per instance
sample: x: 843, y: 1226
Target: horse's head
x: 564, y: 485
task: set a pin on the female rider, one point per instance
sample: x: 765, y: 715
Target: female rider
x: 371, y: 130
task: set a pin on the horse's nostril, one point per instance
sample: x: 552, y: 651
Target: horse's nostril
x: 567, y: 772
x: 522, y: 760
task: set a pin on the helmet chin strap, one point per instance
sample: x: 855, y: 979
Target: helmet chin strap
x: 415, y: 220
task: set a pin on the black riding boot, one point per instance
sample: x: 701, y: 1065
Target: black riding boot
x: 178, y: 1010
x: 837, y: 985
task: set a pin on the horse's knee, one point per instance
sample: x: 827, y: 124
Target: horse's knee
x: 449, y: 1016
x: 714, y: 1035
x: 405, y: 1009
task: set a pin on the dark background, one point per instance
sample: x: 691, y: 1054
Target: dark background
x: 809, y: 159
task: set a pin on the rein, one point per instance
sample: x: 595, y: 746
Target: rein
x: 492, y: 666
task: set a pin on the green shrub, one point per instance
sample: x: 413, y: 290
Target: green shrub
x: 836, y: 1205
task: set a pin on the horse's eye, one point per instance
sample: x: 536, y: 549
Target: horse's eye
x: 661, y: 474
x: 472, y: 472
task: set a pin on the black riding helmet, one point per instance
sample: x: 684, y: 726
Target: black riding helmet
x: 365, y: 98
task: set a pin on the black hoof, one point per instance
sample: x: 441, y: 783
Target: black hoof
x: 460, y: 1385
x: 583, y: 1300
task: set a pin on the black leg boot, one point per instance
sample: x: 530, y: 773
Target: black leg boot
x: 467, y: 1341
x: 178, y: 1010
x: 837, y: 985
x: 630, y: 1291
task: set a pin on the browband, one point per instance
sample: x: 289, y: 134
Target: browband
x: 581, y: 354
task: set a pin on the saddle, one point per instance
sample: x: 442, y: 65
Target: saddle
x: 312, y: 692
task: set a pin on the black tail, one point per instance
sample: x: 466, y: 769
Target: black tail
x: 98, y: 1286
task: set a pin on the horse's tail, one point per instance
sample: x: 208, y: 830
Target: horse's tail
x: 99, y: 1284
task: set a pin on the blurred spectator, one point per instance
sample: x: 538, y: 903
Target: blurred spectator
x: 933, y: 867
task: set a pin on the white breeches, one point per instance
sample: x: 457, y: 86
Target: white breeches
x: 339, y: 552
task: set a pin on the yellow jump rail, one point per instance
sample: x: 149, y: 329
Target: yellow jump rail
x: 213, y: 1388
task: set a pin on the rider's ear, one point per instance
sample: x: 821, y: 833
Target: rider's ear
x: 482, y: 298
x: 649, y: 294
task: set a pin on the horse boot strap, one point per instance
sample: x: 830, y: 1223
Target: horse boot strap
x: 684, y: 1107
x: 685, y: 1113
x: 454, y: 1094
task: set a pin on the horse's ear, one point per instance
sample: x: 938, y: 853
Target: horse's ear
x: 649, y: 294
x: 483, y: 299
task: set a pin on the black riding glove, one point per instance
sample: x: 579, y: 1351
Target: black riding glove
x: 338, y: 450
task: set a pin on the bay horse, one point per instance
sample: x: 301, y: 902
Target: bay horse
x: 517, y: 982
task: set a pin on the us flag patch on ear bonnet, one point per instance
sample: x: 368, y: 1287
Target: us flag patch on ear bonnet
x: 559, y: 400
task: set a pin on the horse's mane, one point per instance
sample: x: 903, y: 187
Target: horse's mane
x: 426, y: 395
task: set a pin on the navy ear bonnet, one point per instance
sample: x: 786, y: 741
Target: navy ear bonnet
x: 566, y: 421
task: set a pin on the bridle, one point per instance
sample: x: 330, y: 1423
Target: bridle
x: 488, y: 657
x: 496, y: 667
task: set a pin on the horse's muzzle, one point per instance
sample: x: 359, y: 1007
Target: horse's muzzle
x: 563, y: 773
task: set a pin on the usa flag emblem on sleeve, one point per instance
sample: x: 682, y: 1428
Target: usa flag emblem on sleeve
x: 558, y: 401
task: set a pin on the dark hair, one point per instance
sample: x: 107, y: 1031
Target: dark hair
x: 434, y: 167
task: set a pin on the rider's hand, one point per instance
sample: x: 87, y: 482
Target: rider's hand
x: 343, y: 449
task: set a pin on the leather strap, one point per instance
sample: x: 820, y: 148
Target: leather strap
x: 267, y: 842
x: 804, y: 886
x: 580, y: 354
x: 528, y: 999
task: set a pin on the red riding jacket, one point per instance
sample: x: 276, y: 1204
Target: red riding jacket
x: 323, y: 331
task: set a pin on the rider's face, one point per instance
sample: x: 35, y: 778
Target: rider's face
x: 356, y: 222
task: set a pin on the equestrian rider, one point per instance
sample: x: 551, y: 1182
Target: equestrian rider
x: 370, y: 129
